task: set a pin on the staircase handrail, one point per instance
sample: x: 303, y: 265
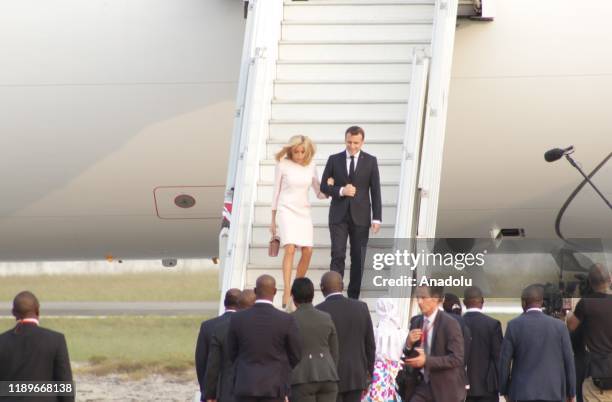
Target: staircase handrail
x: 424, y: 141
x: 257, y: 74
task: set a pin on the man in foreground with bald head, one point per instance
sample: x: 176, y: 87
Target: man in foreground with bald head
x: 29, y: 352
x: 356, y: 345
x: 264, y: 344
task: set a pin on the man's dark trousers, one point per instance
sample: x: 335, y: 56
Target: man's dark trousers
x: 358, y: 238
x: 482, y: 398
x: 349, y: 396
x: 258, y: 399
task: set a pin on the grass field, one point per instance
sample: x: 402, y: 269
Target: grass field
x: 137, y: 345
x: 161, y: 286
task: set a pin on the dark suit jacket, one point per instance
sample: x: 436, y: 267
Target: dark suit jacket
x: 202, y: 346
x: 484, y: 356
x: 445, y: 362
x: 219, y: 376
x: 264, y: 343
x: 34, y: 354
x: 319, y: 346
x: 539, y: 348
x: 467, y: 337
x: 367, y: 181
x: 355, y: 340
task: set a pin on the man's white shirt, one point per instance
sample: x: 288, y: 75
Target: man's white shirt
x: 348, y: 172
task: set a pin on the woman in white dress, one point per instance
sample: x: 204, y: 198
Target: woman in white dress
x: 295, y: 174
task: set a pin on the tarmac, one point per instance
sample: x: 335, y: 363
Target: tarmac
x: 97, y: 309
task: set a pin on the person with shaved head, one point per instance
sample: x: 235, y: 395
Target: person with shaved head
x: 264, y: 344
x: 483, y: 356
x: 247, y: 299
x: 219, y: 368
x: 536, y: 362
x: 29, y: 352
x: 207, y: 328
x: 356, y: 345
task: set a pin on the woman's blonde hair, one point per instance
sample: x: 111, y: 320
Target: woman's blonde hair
x: 294, y: 142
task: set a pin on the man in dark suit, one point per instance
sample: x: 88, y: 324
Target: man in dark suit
x: 315, y: 378
x: 452, y: 306
x: 355, y: 338
x: 264, y: 344
x: 356, y: 178
x: 219, y: 368
x: 206, y: 330
x: 29, y: 352
x: 440, y: 355
x: 539, y: 350
x: 484, y: 355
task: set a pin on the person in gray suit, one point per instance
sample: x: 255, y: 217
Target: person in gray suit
x: 315, y: 378
x: 437, y: 338
x: 539, y: 349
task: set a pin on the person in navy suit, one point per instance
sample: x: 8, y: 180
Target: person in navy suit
x: 352, y: 179
x: 219, y: 368
x: 264, y: 344
x: 484, y: 355
x: 536, y: 361
x: 207, y: 329
x: 29, y: 352
x: 356, y: 344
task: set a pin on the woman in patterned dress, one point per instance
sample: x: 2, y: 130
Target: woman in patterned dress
x: 389, y: 339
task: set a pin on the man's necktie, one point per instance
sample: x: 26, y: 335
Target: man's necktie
x: 352, y: 169
x: 426, y: 347
x: 426, y: 329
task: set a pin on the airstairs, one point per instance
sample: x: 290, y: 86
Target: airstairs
x: 315, y: 68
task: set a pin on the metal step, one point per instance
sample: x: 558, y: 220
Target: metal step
x: 314, y: 273
x: 359, y: 70
x: 332, y: 90
x: 349, y: 50
x: 342, y: 109
x: 258, y: 255
x: 383, y: 149
x: 367, y: 297
x: 321, y: 231
x: 319, y: 211
x: 347, y: 11
x: 282, y: 130
x: 389, y: 191
x: 389, y: 169
x: 356, y: 30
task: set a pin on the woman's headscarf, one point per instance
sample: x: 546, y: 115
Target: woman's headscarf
x: 388, y: 334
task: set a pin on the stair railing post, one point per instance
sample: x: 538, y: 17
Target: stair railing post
x: 251, y: 127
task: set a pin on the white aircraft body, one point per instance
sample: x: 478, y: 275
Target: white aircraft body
x: 112, y: 110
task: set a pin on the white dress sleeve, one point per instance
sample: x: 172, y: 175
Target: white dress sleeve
x: 278, y: 178
x: 316, y: 183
